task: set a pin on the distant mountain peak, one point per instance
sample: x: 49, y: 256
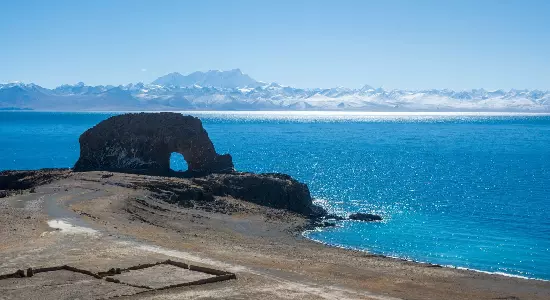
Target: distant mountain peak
x: 234, y: 78
x: 367, y: 87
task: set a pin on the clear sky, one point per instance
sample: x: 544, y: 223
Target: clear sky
x: 412, y: 44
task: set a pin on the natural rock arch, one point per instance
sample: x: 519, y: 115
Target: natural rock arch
x: 143, y: 143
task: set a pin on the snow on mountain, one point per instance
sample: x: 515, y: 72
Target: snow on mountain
x: 213, y: 78
x: 233, y: 90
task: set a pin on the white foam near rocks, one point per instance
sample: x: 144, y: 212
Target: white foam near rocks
x: 64, y: 226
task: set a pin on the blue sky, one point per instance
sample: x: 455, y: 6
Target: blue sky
x: 412, y: 44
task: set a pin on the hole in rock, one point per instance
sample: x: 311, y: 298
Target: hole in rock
x: 177, y: 162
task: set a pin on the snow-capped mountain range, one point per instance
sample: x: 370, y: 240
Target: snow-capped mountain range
x: 233, y: 90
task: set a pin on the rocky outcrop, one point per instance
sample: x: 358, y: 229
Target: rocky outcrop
x: 329, y: 220
x: 365, y: 217
x: 142, y: 143
x: 272, y: 190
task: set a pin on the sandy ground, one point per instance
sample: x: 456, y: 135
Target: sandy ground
x: 95, y: 221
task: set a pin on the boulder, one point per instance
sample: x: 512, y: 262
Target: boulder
x: 328, y: 224
x: 365, y: 217
x: 142, y: 143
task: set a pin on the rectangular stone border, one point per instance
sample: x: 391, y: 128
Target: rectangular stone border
x: 218, y: 274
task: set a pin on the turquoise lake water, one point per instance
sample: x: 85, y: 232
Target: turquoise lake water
x: 460, y: 190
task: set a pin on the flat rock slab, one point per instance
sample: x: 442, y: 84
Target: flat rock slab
x: 62, y: 284
x: 160, y: 276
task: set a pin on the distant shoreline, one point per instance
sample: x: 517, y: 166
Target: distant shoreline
x: 304, y: 112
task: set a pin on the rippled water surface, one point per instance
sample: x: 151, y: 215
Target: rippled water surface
x: 463, y: 190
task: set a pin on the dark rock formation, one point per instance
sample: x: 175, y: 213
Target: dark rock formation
x: 273, y: 190
x: 22, y: 180
x: 365, y: 217
x: 327, y: 224
x: 143, y: 143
